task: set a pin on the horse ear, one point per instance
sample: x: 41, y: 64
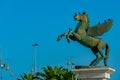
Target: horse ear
x: 84, y: 12
x: 79, y: 13
x: 109, y: 19
x: 98, y: 22
x: 75, y: 14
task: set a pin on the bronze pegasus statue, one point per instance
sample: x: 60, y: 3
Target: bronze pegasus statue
x: 86, y: 35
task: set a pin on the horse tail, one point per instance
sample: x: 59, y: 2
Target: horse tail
x: 107, y: 50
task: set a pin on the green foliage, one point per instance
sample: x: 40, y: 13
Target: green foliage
x: 56, y: 73
x: 29, y: 76
x: 49, y: 73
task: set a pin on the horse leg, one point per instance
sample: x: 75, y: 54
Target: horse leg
x: 69, y: 36
x: 75, y: 36
x: 93, y: 63
x: 105, y: 62
x: 60, y: 36
x: 98, y: 60
x: 72, y: 37
x: 97, y: 56
x: 101, y: 46
x: 106, y: 54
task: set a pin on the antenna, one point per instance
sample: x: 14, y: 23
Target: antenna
x: 35, y: 46
x: 69, y: 62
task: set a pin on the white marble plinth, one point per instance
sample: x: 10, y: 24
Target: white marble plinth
x: 93, y: 73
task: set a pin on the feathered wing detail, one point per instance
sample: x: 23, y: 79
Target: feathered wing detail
x: 99, y: 29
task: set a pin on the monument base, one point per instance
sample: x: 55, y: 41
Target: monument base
x: 93, y: 73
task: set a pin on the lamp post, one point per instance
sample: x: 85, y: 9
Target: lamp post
x: 3, y: 66
x: 35, y: 46
x: 70, y: 63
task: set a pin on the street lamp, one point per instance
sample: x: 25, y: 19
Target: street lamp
x: 70, y: 63
x: 35, y: 46
x: 3, y: 66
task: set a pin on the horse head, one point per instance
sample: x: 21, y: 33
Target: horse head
x: 82, y: 17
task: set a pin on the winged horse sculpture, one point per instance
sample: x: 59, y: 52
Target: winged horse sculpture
x: 86, y: 35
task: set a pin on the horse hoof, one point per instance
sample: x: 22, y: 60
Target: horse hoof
x: 59, y: 38
x: 106, y: 65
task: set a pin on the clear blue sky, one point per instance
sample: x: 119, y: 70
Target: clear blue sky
x: 24, y: 22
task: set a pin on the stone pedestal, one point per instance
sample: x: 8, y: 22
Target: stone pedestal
x: 93, y: 73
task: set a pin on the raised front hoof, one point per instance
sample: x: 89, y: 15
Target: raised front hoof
x: 59, y: 38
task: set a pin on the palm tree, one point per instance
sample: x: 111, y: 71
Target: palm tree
x: 56, y: 73
x: 29, y: 76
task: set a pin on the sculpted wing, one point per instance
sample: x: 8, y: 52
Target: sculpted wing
x: 99, y: 29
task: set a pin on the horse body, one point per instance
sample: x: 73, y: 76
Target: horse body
x: 86, y: 40
x: 97, y: 45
